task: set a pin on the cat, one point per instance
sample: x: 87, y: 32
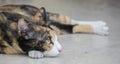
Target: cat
x: 55, y: 22
x: 21, y: 35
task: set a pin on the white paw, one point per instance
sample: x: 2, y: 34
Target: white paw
x: 35, y: 54
x: 100, y: 28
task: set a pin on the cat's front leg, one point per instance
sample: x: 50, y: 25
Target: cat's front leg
x: 35, y: 54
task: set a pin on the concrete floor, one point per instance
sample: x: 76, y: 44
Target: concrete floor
x: 79, y: 48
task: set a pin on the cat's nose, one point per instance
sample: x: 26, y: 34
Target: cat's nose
x: 60, y: 50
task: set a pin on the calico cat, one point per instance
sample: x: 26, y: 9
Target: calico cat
x: 19, y: 34
x: 58, y: 22
x: 49, y: 22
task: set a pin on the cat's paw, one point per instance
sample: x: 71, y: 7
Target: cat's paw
x: 35, y: 54
x: 100, y: 28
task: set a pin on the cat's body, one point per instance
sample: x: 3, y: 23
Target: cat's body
x: 53, y: 21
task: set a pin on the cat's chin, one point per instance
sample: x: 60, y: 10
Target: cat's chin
x: 52, y: 53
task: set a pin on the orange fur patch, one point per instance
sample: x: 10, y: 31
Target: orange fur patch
x: 16, y: 46
x: 10, y: 50
x: 3, y: 19
x: 48, y: 47
x: 57, y: 30
x: 52, y: 34
x: 1, y: 38
x: 37, y: 18
x: 19, y: 11
x: 64, y: 19
x: 36, y: 28
x: 13, y: 25
x: 3, y: 42
x: 83, y: 28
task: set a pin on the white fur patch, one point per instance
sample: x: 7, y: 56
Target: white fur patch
x: 99, y: 27
x: 35, y: 54
x: 57, y: 44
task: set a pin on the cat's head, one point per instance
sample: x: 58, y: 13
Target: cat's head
x: 36, y: 37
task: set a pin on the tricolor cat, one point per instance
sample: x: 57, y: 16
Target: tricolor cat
x: 27, y: 21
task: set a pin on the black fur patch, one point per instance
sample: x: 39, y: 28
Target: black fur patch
x: 4, y: 28
x: 25, y: 45
x: 29, y: 9
x: 12, y: 16
x: 66, y: 27
x: 44, y: 15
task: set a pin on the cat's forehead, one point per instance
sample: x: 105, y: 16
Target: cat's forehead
x: 37, y: 26
x: 43, y: 35
x: 41, y: 32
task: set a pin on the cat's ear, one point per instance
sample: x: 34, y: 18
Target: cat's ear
x: 24, y: 29
x: 41, y: 14
x: 42, y: 10
x: 22, y: 25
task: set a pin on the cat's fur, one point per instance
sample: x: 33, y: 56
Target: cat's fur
x: 53, y: 21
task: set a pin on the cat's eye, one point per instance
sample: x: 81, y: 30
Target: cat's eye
x: 48, y: 41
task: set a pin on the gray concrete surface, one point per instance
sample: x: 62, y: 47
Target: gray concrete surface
x: 79, y: 48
